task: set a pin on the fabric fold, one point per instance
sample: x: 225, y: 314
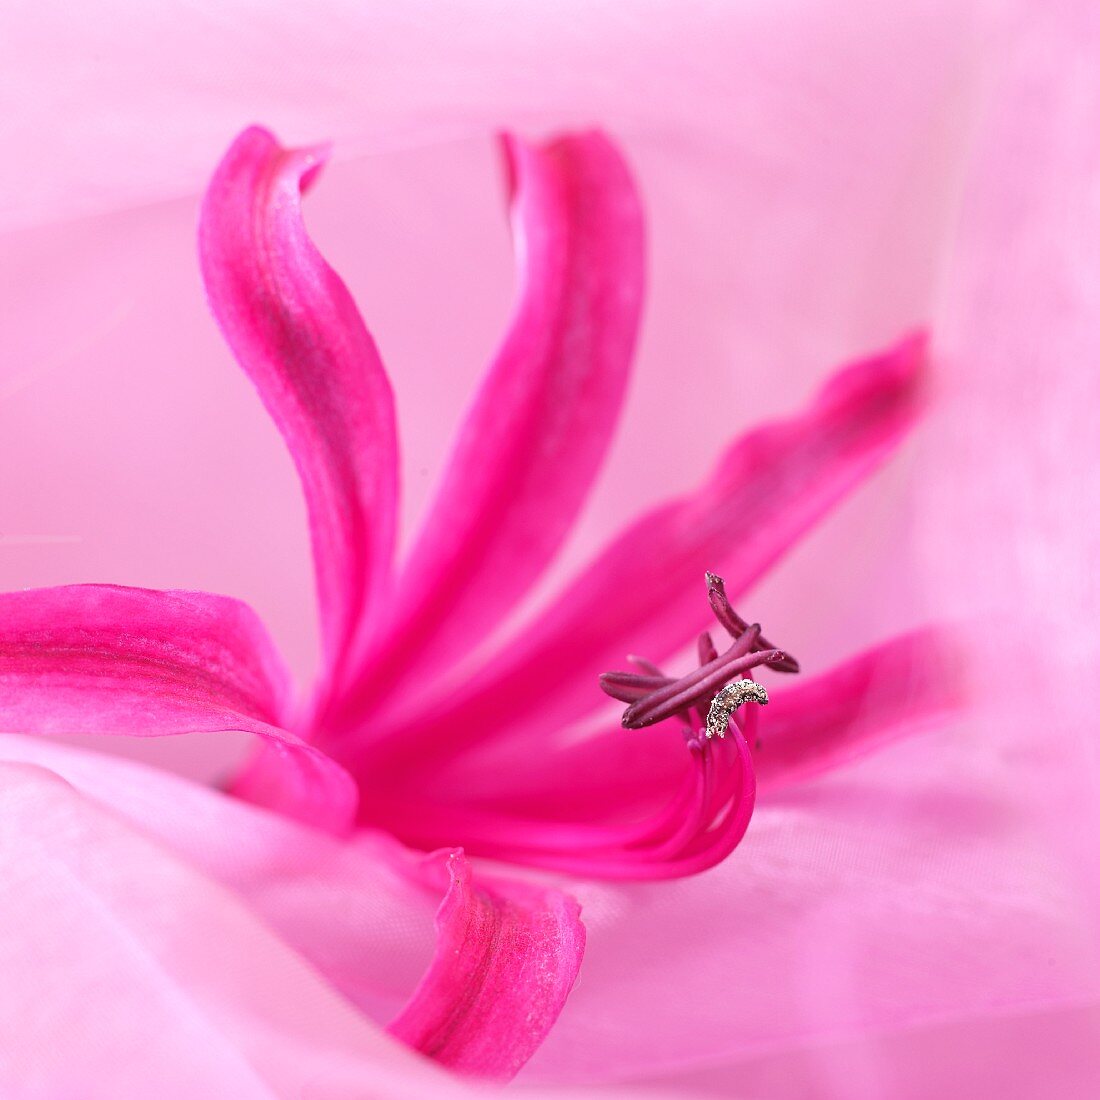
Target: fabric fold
x: 478, y: 994
x: 201, y: 999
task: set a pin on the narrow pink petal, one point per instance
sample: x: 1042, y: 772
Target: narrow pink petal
x: 608, y: 807
x: 128, y: 973
x: 295, y: 330
x: 900, y: 686
x: 507, y: 957
x: 877, y: 696
x: 540, y: 424
x: 693, y: 824
x: 642, y: 594
x: 107, y: 659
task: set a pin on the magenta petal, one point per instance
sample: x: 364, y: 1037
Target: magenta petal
x: 539, y: 426
x: 107, y: 659
x: 877, y: 696
x: 642, y: 593
x: 690, y: 824
x: 506, y: 960
x: 898, y: 687
x: 615, y: 806
x: 295, y: 330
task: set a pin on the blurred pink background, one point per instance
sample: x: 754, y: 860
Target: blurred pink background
x: 795, y: 220
x: 819, y: 177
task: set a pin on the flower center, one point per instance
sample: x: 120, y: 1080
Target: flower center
x: 707, y: 698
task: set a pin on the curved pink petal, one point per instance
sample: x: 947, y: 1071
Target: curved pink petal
x: 129, y: 974
x: 506, y: 960
x: 900, y: 686
x: 360, y: 909
x: 879, y: 695
x: 691, y: 824
x: 633, y: 804
x: 641, y: 594
x: 107, y: 659
x: 296, y: 332
x: 540, y: 424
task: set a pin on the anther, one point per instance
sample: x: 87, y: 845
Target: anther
x: 728, y: 700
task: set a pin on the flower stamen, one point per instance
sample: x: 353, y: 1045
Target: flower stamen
x: 736, y: 626
x: 728, y: 700
x: 714, y: 691
x: 688, y: 691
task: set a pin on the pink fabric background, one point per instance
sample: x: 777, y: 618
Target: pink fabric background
x: 818, y: 177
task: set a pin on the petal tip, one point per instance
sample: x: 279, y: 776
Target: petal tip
x: 510, y: 149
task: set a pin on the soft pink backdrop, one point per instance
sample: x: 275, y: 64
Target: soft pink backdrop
x: 795, y: 219
x: 818, y: 177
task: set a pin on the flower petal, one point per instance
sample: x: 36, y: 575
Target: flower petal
x: 608, y: 807
x: 506, y: 960
x: 703, y: 817
x: 107, y: 659
x: 540, y: 424
x: 642, y: 594
x: 297, y: 333
x: 877, y: 696
x: 128, y: 974
x: 360, y: 910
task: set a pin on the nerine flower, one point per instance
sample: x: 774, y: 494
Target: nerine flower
x: 435, y: 718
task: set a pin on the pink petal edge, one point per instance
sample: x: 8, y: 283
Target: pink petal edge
x: 506, y: 960
x: 296, y: 332
x: 109, y: 659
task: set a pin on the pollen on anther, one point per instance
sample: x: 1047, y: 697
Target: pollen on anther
x: 728, y: 700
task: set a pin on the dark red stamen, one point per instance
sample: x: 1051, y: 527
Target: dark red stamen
x: 689, y: 690
x: 736, y: 626
x: 646, y: 666
x: 652, y: 696
x: 628, y: 687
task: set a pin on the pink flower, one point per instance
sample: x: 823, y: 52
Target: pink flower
x: 439, y: 717
x: 817, y: 178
